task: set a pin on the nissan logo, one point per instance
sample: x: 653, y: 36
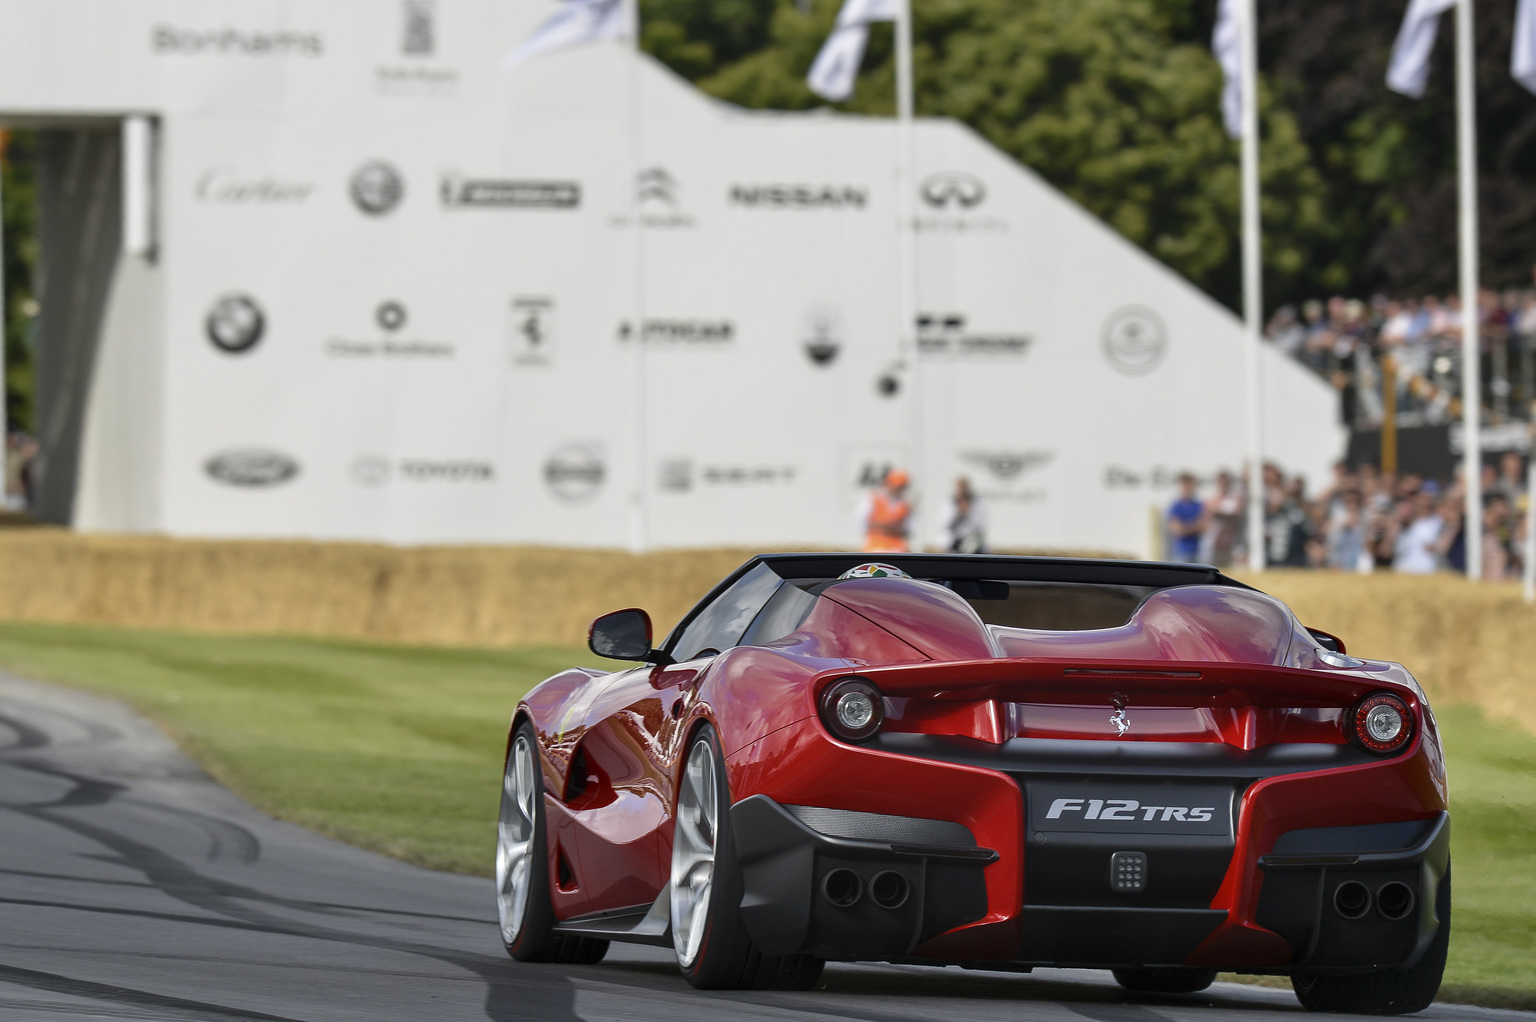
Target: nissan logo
x: 953, y: 188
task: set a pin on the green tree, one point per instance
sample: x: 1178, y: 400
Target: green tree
x: 18, y: 206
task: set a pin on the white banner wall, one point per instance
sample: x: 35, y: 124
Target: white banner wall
x: 394, y: 299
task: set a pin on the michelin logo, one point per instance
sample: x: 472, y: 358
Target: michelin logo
x: 1125, y: 809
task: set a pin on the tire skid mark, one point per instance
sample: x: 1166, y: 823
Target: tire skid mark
x: 67, y: 985
x: 27, y: 736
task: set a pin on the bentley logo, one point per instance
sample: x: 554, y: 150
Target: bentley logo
x: 1121, y: 722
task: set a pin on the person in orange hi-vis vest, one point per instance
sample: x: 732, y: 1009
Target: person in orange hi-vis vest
x: 888, y: 516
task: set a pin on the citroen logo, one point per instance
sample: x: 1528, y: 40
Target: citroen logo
x: 1120, y: 721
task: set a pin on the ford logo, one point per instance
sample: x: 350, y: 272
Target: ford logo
x: 251, y: 469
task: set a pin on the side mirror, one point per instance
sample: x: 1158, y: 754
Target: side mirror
x: 624, y: 635
x: 1332, y: 643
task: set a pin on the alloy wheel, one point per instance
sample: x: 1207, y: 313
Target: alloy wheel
x: 693, y: 852
x: 514, y: 839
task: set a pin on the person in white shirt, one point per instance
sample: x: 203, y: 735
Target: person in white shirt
x: 1417, y: 548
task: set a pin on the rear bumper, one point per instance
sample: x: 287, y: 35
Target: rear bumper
x: 1004, y: 890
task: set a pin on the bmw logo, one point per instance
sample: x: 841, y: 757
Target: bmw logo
x: 377, y: 188
x: 235, y: 324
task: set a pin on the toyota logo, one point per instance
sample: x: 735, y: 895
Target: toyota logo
x: 377, y: 188
x: 952, y: 188
x: 235, y: 324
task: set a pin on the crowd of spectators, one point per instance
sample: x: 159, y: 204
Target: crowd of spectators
x: 1347, y: 340
x: 1365, y: 521
x: 20, y: 450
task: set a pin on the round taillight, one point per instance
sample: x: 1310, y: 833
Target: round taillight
x: 852, y: 709
x: 1381, y: 722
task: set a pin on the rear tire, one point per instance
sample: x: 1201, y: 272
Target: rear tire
x: 1394, y: 992
x: 522, y: 865
x: 714, y: 950
x: 1163, y: 979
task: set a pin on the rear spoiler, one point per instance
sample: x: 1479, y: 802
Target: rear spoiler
x: 1159, y: 682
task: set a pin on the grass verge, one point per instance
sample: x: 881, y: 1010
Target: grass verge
x: 399, y: 749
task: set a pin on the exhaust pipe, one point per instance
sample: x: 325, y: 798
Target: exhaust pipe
x: 889, y: 889
x: 1351, y: 899
x: 1394, y: 900
x: 842, y: 887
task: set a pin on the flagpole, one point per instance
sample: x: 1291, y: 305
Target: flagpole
x: 1471, y: 389
x: 639, y: 539
x: 1253, y: 282
x: 906, y: 244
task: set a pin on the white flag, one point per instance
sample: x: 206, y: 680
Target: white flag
x: 577, y: 22
x: 1522, y: 61
x: 1409, y: 71
x: 1227, y: 44
x: 837, y: 65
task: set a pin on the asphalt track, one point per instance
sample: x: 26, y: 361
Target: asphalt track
x: 134, y: 887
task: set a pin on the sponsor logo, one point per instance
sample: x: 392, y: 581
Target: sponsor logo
x: 225, y: 185
x: 656, y: 185
x: 421, y: 470
x: 371, y: 470
x: 1006, y: 469
x: 172, y: 41
x: 793, y: 196
x: 390, y: 316
x: 1126, y: 810
x: 418, y: 38
x: 251, y: 469
x: 952, y: 189
x: 576, y: 472
x: 946, y: 334
x: 679, y: 475
x: 823, y: 336
x: 377, y: 187
x: 1118, y: 477
x: 1135, y: 340
x: 706, y: 332
x: 235, y: 324
x: 484, y: 193
x: 533, y: 330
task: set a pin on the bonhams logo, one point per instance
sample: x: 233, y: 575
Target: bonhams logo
x: 169, y: 40
x: 251, y: 469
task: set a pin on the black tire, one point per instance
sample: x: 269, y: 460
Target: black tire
x: 1394, y: 992
x: 726, y: 958
x: 1164, y: 979
x: 535, y: 939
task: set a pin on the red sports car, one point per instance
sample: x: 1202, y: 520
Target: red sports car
x: 997, y: 762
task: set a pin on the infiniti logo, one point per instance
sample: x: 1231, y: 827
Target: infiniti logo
x: 952, y: 188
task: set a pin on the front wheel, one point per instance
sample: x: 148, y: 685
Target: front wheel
x: 1394, y: 992
x: 714, y: 950
x: 522, y: 865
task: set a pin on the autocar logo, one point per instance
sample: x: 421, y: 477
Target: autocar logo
x: 1135, y: 340
x: 823, y: 336
x: 377, y: 188
x: 235, y: 323
x: 252, y: 469
x: 370, y: 470
x: 390, y: 316
x: 953, y: 189
x: 575, y: 472
x: 656, y: 185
